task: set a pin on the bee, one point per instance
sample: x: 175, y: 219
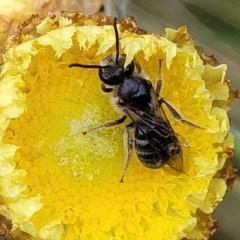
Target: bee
x: 155, y: 141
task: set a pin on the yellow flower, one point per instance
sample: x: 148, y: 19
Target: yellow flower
x: 57, y: 183
x: 14, y: 11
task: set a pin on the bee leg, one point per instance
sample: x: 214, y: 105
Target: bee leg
x: 107, y: 124
x: 129, y: 127
x: 159, y: 82
x: 159, y: 87
x: 176, y: 115
x: 105, y: 89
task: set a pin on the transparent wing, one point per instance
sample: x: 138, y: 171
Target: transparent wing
x: 175, y: 163
x: 159, y: 133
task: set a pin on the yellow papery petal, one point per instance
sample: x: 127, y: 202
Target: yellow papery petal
x: 26, y: 207
x: 53, y: 230
x: 131, y: 46
x: 12, y: 185
x: 57, y: 183
x: 27, y: 227
x: 214, y: 78
x: 7, y: 164
x: 214, y: 196
x: 59, y: 40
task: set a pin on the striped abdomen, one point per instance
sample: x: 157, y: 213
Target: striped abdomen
x: 145, y: 152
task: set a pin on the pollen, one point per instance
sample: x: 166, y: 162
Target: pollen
x: 57, y: 183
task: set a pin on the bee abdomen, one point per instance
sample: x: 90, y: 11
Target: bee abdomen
x: 146, y: 154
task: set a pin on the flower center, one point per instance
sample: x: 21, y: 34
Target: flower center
x: 74, y: 173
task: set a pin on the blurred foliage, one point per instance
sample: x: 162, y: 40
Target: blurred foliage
x: 222, y: 17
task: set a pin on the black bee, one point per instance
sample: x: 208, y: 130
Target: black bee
x: 155, y: 141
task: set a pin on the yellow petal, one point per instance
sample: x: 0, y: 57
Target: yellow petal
x: 53, y: 230
x: 52, y: 169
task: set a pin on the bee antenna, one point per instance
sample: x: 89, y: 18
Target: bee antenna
x: 117, y: 51
x: 117, y: 38
x: 85, y: 66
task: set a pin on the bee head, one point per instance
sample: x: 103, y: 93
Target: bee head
x: 113, y: 72
x: 111, y: 69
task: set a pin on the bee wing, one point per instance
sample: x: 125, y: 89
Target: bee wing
x: 159, y: 133
x: 175, y: 163
x: 152, y: 127
x: 158, y: 109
